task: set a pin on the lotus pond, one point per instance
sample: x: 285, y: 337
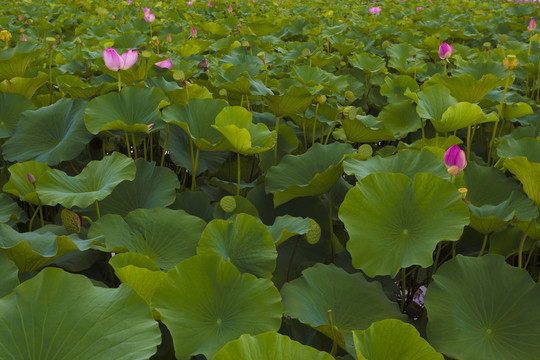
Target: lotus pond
x: 269, y: 180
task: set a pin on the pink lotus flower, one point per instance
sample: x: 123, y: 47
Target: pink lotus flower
x: 31, y: 179
x: 149, y: 17
x: 146, y: 10
x: 210, y: 4
x: 116, y: 62
x: 455, y: 160
x: 129, y: 2
x: 169, y: 38
x: 23, y: 38
x: 445, y: 51
x: 230, y: 8
x: 419, y: 8
x: 165, y: 64
x: 193, y: 32
x: 189, y: 3
x: 374, y: 10
x: 532, y: 25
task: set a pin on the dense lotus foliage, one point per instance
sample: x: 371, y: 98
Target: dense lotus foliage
x: 269, y: 179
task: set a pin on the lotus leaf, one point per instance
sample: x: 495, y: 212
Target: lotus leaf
x: 465, y: 88
x: 75, y: 87
x: 9, y: 210
x: 61, y: 315
x: 11, y: 107
x: 205, y: 303
x: 24, y: 86
x: 528, y: 173
x: 9, y: 274
x: 475, y: 313
x: 309, y: 174
x: 51, y: 134
x: 434, y: 101
x: 368, y: 62
x: 295, y: 101
x: 18, y: 183
x: 14, y: 61
x: 268, y: 346
x: 460, y: 116
x: 527, y: 147
x: 395, y: 221
x: 400, y: 117
x: 287, y: 226
x: 94, y: 183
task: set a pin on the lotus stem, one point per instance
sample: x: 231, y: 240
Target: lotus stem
x: 304, y: 131
x: 97, y: 210
x: 50, y: 77
x: 331, y: 129
x: 134, y: 145
x: 332, y: 247
x: 486, y: 236
x: 165, y: 145
x: 334, y: 336
x: 144, y: 148
x: 468, y: 143
x: 238, y: 173
x: 315, y: 123
x: 500, y: 116
x: 151, y: 147
x: 522, y: 242
x: 423, y: 131
x: 437, y: 254
x: 444, y: 73
x: 119, y: 81
x: 40, y: 207
x: 32, y: 220
x: 292, y: 257
x: 275, y: 147
x: 531, y: 251
x: 403, y: 289
x: 87, y: 218
x: 194, y: 182
x: 127, y: 144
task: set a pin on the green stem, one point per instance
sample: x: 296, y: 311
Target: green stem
x: 304, y: 131
x: 403, y: 289
x: 486, y: 236
x: 32, y: 220
x: 444, y: 74
x: 119, y: 81
x: 238, y: 174
x: 423, y: 131
x: 315, y: 124
x: 165, y: 144
x: 275, y: 147
x: 151, y: 147
x: 50, y: 78
x: 194, y: 182
x: 522, y: 242
x: 134, y: 145
x: 97, y: 210
x: 331, y: 129
x: 332, y: 247
x: 127, y: 144
x: 87, y: 218
x: 468, y: 143
x: 144, y: 148
x: 333, y: 352
x: 500, y: 116
x: 40, y: 207
x: 437, y: 255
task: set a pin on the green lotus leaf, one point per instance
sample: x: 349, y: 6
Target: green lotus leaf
x: 400, y: 57
x: 460, y: 116
x: 314, y: 77
x: 394, y: 221
x: 323, y: 287
x: 363, y: 129
x: 368, y: 62
x: 153, y: 186
x: 516, y: 110
x: 25, y: 86
x: 18, y: 183
x: 205, y: 302
x: 165, y: 236
x: 14, y: 61
x: 400, y: 117
x: 11, y: 107
x: 61, y: 315
x: 528, y: 173
x: 392, y: 339
x: 396, y: 88
x: 295, y: 101
x: 196, y: 203
x: 191, y: 91
x: 408, y: 162
x: 9, y: 210
x: 32, y: 250
x: 287, y: 226
x: 95, y: 182
x: 225, y: 209
x: 75, y: 87
x: 179, y: 147
x: 131, y: 110
x: 494, y: 199
x: 139, y: 272
x: 197, y: 118
x: 287, y: 142
x: 235, y: 79
x: 51, y: 134
x: 527, y: 147
x: 310, y: 174
x: 268, y: 346
x: 243, y: 137
x: 474, y: 312
x: 244, y: 241
x: 465, y: 88
x: 9, y: 274
x: 433, y: 101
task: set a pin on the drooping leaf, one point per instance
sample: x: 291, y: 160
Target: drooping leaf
x: 460, y: 116
x: 9, y: 274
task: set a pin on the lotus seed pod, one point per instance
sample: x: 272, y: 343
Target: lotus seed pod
x: 349, y: 95
x: 365, y: 151
x: 510, y: 62
x: 228, y: 203
x: 314, y: 233
x: 385, y: 44
x: 349, y: 112
x: 71, y: 221
x: 179, y: 75
x: 321, y: 99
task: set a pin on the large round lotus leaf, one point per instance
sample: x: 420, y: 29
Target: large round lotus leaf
x: 18, y: 183
x: 392, y: 339
x: 528, y: 173
x: 242, y: 136
x: 287, y: 226
x: 153, y: 186
x: 409, y: 162
x: 465, y: 88
x: 51, y: 134
x: 205, y: 303
x: 244, y: 241
x: 395, y: 87
x: 481, y: 308
x: 368, y: 62
x: 460, y: 116
x: 527, y: 147
x: 197, y: 118
x: 363, y: 129
x: 131, y: 110
x: 400, y: 117
x: 31, y: 250
x: 268, y: 346
x: 166, y: 236
x: 355, y: 302
x: 395, y: 222
x: 139, y: 272
x: 494, y: 199
x: 57, y: 315
x: 14, y: 61
x: 75, y: 87
x: 179, y: 147
x: 295, y: 101
x: 11, y: 107
x: 8, y: 274
x: 312, y: 173
x: 9, y: 210
x: 24, y: 86
x: 95, y: 182
x: 433, y: 101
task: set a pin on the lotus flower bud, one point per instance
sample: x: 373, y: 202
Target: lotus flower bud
x: 445, y: 51
x: 165, y: 64
x: 532, y: 25
x: 455, y: 160
x: 31, y: 179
